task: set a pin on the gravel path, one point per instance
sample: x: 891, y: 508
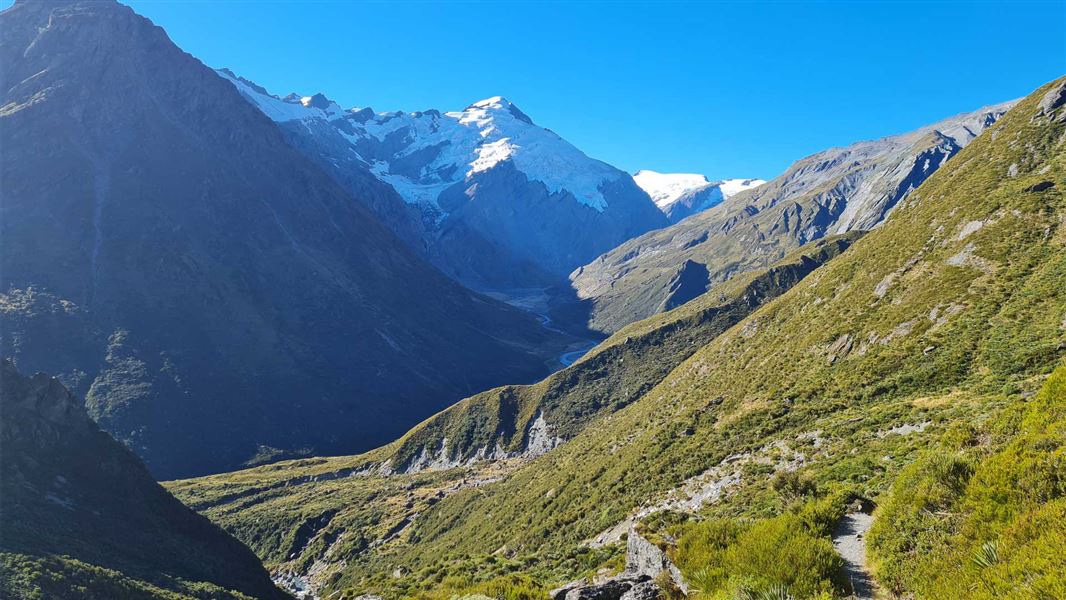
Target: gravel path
x: 849, y: 538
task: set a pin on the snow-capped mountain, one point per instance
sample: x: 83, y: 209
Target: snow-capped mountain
x: 680, y: 195
x: 493, y: 199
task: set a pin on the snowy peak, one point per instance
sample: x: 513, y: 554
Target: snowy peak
x: 493, y: 106
x: 293, y: 107
x: 498, y: 102
x: 493, y: 199
x: 422, y: 154
x: 679, y: 195
x: 666, y: 188
x: 732, y: 187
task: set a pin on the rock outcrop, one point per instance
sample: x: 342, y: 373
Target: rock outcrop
x: 645, y: 558
x: 647, y: 568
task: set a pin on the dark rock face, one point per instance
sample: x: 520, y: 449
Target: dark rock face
x: 536, y: 237
x: 69, y: 489
x: 1040, y: 187
x: 690, y: 281
x: 694, y: 202
x: 646, y: 590
x: 220, y: 294
x: 627, y: 586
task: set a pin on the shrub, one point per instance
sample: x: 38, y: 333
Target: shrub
x: 983, y: 522
x: 780, y: 555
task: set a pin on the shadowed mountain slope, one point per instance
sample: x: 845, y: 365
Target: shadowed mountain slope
x: 214, y: 295
x: 82, y: 518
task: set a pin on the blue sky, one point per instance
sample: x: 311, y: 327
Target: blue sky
x: 725, y: 89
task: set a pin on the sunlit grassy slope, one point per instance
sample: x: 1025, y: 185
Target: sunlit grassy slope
x: 951, y: 312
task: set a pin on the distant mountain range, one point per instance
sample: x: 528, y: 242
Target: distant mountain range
x: 833, y: 191
x: 849, y: 381
x: 490, y: 197
x: 899, y: 377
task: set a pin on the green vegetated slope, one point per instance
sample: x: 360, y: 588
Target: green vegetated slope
x: 612, y: 375
x: 982, y: 514
x: 331, y: 509
x: 979, y: 514
x: 952, y: 311
x: 80, y: 517
x: 946, y: 310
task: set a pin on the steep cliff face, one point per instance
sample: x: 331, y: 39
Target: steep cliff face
x: 77, y: 502
x: 832, y: 192
x: 223, y: 298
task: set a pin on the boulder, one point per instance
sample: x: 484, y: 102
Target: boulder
x: 615, y: 588
x: 560, y: 593
x: 647, y: 590
x: 1052, y: 100
x: 646, y: 559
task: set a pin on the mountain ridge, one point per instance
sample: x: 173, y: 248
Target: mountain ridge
x: 830, y: 192
x: 81, y: 507
x: 946, y: 314
x: 492, y: 199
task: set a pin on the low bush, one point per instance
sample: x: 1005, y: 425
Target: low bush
x: 984, y: 515
x: 781, y: 556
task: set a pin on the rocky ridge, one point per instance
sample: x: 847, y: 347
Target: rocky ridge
x: 837, y: 190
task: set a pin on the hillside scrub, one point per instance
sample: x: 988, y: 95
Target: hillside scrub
x: 983, y: 513
x: 723, y: 558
